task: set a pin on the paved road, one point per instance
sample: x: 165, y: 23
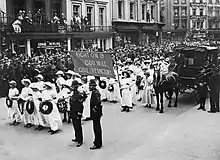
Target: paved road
x: 123, y: 133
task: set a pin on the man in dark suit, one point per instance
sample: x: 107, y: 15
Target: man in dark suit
x: 214, y: 88
x: 96, y: 114
x: 76, y: 110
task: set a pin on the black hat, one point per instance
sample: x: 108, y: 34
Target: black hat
x: 92, y: 82
x: 75, y: 83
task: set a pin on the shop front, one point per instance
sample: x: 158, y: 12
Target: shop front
x: 136, y: 32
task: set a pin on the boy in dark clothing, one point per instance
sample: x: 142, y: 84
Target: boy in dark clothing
x: 202, y: 91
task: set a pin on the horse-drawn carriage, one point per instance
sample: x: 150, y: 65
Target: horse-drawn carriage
x: 189, y: 62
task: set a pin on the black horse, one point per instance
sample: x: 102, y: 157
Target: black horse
x: 165, y: 83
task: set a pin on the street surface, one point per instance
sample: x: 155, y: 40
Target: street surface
x: 181, y: 133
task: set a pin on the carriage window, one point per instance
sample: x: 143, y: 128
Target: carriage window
x: 190, y: 61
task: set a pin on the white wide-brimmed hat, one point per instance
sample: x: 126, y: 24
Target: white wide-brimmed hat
x: 59, y: 73
x: 49, y: 84
x: 25, y: 80
x: 70, y: 72
x: 39, y: 76
x: 13, y: 82
x: 34, y: 86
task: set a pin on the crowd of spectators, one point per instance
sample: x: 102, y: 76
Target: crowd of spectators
x: 25, y: 22
x: 47, y: 62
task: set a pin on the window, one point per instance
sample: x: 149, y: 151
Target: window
x: 176, y: 1
x: 120, y: 9
x: 184, y: 10
x: 193, y: 11
x: 76, y: 10
x: 90, y: 14
x: 176, y: 12
x: 101, y: 16
x: 183, y: 1
x: 176, y: 23
x: 184, y: 23
x: 201, y: 12
x: 143, y: 12
x: 131, y: 10
x: 194, y: 24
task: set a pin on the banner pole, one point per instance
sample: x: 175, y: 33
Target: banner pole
x: 116, y: 58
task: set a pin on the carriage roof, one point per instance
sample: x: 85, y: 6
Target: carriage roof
x: 196, y: 49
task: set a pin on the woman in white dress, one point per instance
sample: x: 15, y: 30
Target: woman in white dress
x: 26, y: 95
x: 114, y: 91
x: 64, y: 95
x: 54, y: 118
x: 13, y: 112
x: 39, y: 118
x: 126, y: 83
x: 60, y: 80
x: 86, y: 103
x: 148, y: 98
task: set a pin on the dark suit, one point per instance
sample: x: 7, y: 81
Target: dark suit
x: 76, y: 110
x: 96, y: 114
x: 202, y: 92
x: 214, y: 94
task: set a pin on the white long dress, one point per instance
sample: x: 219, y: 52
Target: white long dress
x: 126, y: 92
x: 54, y: 117
x: 104, y: 92
x: 26, y: 94
x: 148, y: 97
x: 115, y: 94
x: 59, y: 82
x: 86, y: 103
x: 39, y: 118
x: 13, y: 112
x: 134, y: 89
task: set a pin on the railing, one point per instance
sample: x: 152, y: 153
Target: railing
x: 54, y: 28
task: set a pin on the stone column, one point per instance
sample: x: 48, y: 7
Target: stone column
x: 12, y: 46
x: 48, y: 9
x: 82, y: 43
x: 69, y: 44
x: 28, y: 47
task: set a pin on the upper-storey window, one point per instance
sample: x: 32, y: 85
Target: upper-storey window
x: 120, y: 9
x: 131, y: 10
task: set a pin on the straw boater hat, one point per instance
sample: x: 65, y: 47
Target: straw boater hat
x: 70, y: 72
x: 59, y: 73
x: 39, y: 76
x: 49, y: 84
x: 25, y: 80
x: 34, y: 86
x: 77, y: 75
x: 13, y: 83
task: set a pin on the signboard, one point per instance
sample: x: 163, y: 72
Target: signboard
x: 93, y: 63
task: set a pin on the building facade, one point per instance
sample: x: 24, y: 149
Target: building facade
x: 177, y: 18
x: 198, y: 19
x: 136, y: 21
x: 92, y: 28
x: 213, y: 19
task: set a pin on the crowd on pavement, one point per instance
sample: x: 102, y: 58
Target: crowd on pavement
x: 44, y: 91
